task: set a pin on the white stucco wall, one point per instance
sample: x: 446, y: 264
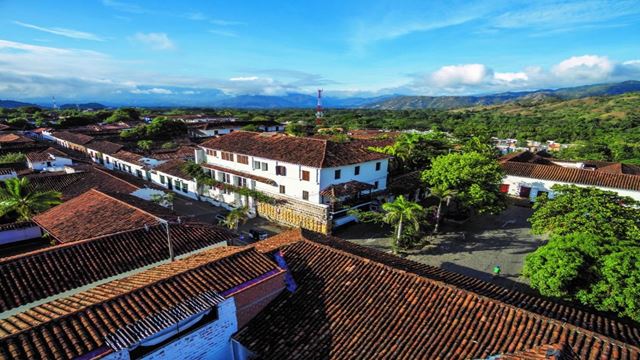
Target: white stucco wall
x: 536, y: 185
x: 55, y: 164
x: 210, y: 342
x: 162, y: 179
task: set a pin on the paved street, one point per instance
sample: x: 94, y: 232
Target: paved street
x: 472, y: 248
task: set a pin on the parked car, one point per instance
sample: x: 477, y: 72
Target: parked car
x: 258, y: 234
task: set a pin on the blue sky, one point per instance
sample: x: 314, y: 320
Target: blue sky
x: 108, y: 49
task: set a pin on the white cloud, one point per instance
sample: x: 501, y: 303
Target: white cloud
x: 154, y: 91
x: 155, y: 41
x: 468, y: 74
x: 74, y: 34
x: 511, y: 76
x: 244, y: 78
x: 586, y: 67
x: 190, y: 92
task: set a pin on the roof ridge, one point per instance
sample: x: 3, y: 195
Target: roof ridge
x: 12, y: 258
x: 146, y: 283
x: 127, y: 204
x: 459, y: 289
x: 115, y: 177
x: 584, y: 171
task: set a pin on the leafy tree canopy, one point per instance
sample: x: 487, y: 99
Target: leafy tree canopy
x: 593, y: 270
x: 586, y: 209
x: 475, y: 178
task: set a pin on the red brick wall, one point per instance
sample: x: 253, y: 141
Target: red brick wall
x: 250, y: 301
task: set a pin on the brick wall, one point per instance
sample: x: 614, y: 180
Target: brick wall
x: 250, y: 301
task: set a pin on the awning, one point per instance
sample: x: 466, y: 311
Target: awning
x: 348, y: 188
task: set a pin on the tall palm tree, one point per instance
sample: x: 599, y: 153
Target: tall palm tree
x: 236, y: 217
x: 444, y: 195
x: 399, y: 212
x: 16, y: 196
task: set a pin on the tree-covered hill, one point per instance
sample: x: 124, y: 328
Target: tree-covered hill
x: 452, y: 102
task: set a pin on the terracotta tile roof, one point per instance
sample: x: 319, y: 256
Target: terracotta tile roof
x: 261, y: 179
x: 307, y: 151
x: 571, y: 175
x: 74, y: 184
x: 173, y: 168
x: 76, y: 325
x: 14, y: 139
x: 129, y: 157
x: 544, y: 352
x: 36, y: 275
x: 75, y: 138
x: 45, y: 155
x: 105, y: 147
x: 347, y: 188
x: 354, y: 302
x: 620, y: 168
x: 92, y: 214
x: 185, y: 152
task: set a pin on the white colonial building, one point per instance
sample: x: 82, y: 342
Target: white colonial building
x: 316, y: 176
x: 528, y: 175
x: 48, y: 160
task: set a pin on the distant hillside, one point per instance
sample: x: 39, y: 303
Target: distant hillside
x: 10, y: 104
x: 94, y: 106
x: 538, y: 96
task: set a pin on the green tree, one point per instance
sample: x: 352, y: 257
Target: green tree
x: 586, y: 209
x: 13, y: 157
x: 475, y: 178
x: 415, y: 151
x: 482, y: 146
x: 402, y: 214
x: 144, y: 145
x: 596, y: 271
x: 296, y: 129
x: 123, y: 114
x: 16, y: 197
x: 164, y: 199
x: 236, y: 217
x: 169, y: 145
x: 249, y: 127
x: 444, y: 195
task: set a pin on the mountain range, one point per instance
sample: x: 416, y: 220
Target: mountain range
x: 215, y: 98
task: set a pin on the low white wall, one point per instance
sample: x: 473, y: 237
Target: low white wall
x: 537, y: 185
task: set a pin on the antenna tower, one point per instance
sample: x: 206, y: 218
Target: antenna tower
x: 319, y: 112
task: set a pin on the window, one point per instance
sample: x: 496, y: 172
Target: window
x: 256, y: 165
x: 378, y: 166
x: 226, y: 156
x: 504, y: 188
x: 305, y: 175
x: 375, y: 185
x: 242, y: 159
x: 139, y: 173
x: 337, y: 174
x: 108, y: 162
x: 185, y: 187
x: 161, y: 179
x: 265, y: 166
x: 226, y: 178
x: 177, y: 182
x: 305, y: 195
x: 211, y: 152
x: 282, y: 189
x: 281, y: 170
x: 356, y: 171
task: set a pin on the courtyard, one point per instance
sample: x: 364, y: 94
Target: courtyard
x: 472, y: 248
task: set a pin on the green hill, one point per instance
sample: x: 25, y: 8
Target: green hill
x: 452, y: 102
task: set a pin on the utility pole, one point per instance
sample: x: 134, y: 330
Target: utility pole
x: 169, y: 242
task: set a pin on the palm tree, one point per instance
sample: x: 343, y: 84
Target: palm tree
x: 16, y: 196
x: 236, y: 217
x: 443, y: 194
x: 399, y: 212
